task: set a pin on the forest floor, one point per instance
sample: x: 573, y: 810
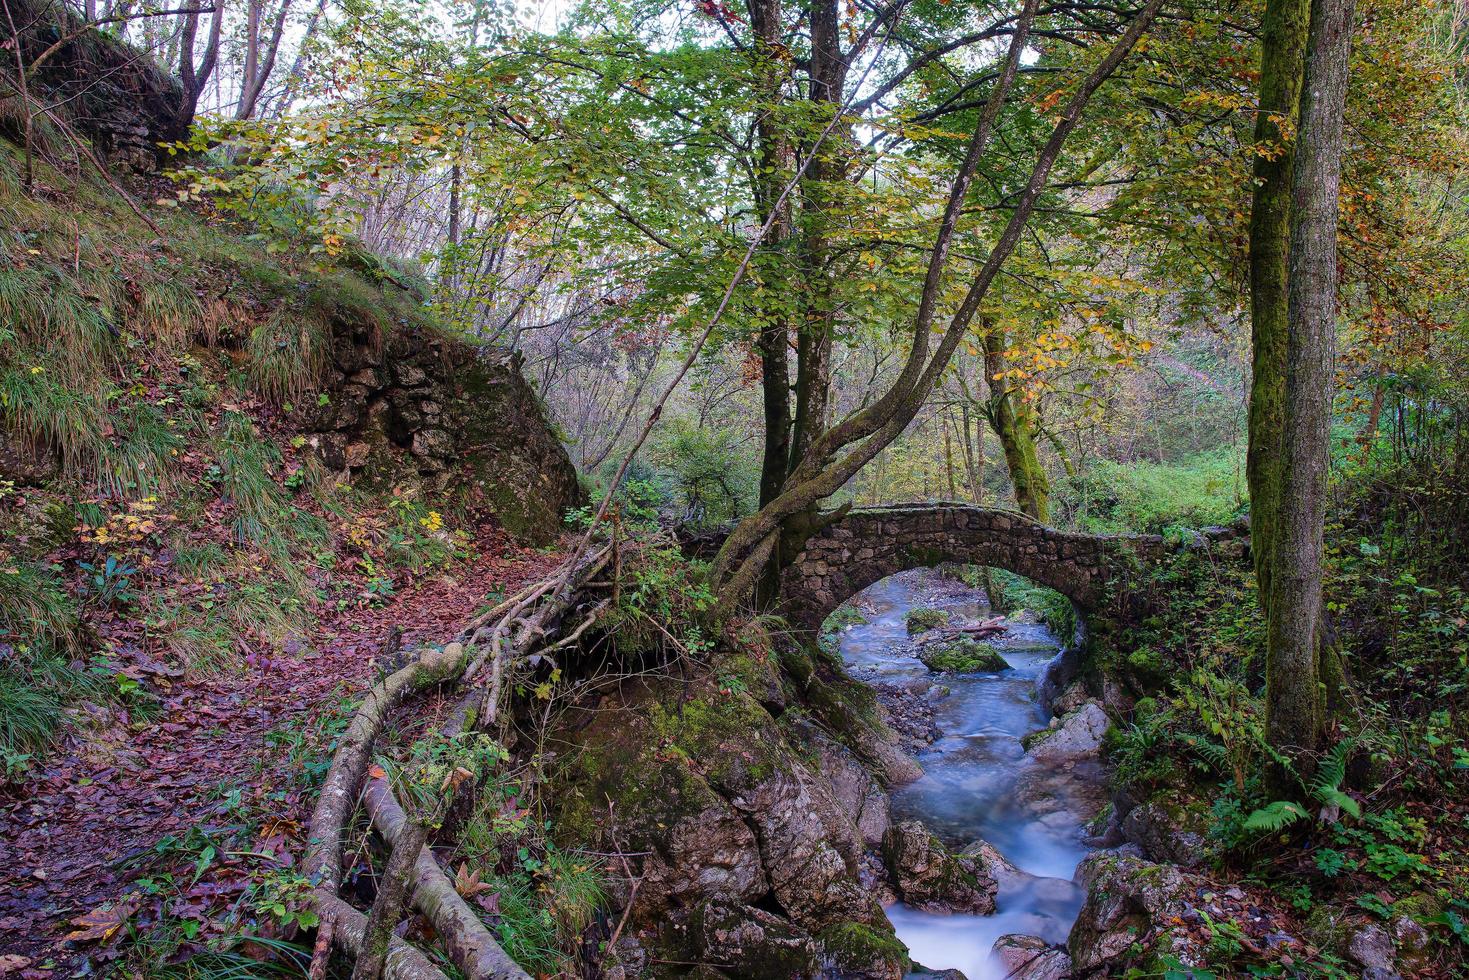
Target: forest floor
x: 92, y: 845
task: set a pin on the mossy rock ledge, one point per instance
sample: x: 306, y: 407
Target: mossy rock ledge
x: 754, y: 805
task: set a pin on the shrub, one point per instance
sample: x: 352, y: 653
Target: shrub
x: 1157, y: 498
x: 708, y: 472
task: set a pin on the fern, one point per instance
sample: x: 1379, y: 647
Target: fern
x: 1329, y: 777
x: 1275, y: 816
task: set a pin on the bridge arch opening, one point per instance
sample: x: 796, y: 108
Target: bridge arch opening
x: 871, y: 544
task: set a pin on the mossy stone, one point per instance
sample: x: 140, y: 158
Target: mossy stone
x: 962, y: 656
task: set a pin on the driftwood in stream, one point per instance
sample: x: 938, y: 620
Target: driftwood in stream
x: 964, y: 631
x: 481, y: 660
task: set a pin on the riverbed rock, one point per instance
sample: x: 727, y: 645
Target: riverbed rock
x: 1169, y: 831
x: 1030, y: 958
x: 750, y: 942
x: 1079, y: 735
x: 929, y: 877
x: 961, y: 656
x: 1131, y: 909
x: 994, y: 865
x: 853, y: 786
x: 1074, y: 697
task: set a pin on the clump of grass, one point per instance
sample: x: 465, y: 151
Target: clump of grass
x: 169, y: 310
x: 137, y: 458
x: 246, y: 462
x: 37, y: 404
x: 38, y: 625
x: 29, y: 714
x: 35, y: 608
x: 288, y: 353
x: 199, y: 560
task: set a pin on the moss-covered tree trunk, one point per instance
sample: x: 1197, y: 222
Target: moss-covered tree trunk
x: 1282, y: 60
x: 1294, y: 678
x: 1014, y: 422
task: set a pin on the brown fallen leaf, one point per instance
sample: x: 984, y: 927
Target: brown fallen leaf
x: 97, y: 924
x: 13, y: 963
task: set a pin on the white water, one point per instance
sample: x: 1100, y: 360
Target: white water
x: 978, y: 782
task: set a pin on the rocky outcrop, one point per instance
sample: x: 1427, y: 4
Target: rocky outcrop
x: 1168, y: 831
x: 753, y: 802
x: 1030, y: 958
x: 410, y: 403
x: 1131, y: 910
x: 929, y: 877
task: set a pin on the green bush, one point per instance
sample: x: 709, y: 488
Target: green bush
x: 1156, y: 498
x: 708, y: 472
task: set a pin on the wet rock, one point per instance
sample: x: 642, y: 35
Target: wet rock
x: 961, y: 656
x: 1074, y: 697
x: 1079, y: 735
x: 1169, y: 832
x: 1372, y: 948
x: 993, y: 864
x: 924, y: 973
x: 1030, y: 958
x: 929, y: 877
x: 710, y: 854
x: 808, y: 848
x: 1130, y: 903
x: 857, y: 951
x: 750, y: 942
x: 853, y: 787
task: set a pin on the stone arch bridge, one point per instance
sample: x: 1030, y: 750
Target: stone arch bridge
x: 1098, y: 573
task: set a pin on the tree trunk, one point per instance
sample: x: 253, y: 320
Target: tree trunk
x: 829, y: 464
x: 1013, y: 422
x: 1282, y: 62
x: 1293, y: 679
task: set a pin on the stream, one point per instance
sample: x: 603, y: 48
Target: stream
x: 979, y: 783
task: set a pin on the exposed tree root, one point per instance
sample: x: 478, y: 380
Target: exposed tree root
x: 481, y: 658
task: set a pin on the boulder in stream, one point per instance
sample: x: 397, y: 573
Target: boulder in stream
x: 1079, y: 735
x: 1030, y: 958
x: 931, y: 878
x: 961, y: 656
x: 924, y: 618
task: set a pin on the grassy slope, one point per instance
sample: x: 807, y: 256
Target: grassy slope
x: 186, y: 520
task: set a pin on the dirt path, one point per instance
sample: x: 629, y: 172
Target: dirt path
x: 79, y: 833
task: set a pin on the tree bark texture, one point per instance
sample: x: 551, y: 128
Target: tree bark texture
x: 1294, y: 699
x: 1282, y: 63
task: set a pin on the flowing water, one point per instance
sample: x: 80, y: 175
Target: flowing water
x: 978, y: 782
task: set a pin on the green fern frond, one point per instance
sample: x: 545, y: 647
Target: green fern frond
x: 1276, y: 816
